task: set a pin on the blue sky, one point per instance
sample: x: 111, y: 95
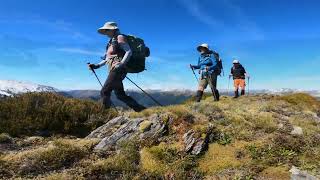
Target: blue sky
x: 50, y: 42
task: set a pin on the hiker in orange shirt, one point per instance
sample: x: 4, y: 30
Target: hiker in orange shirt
x: 239, y: 75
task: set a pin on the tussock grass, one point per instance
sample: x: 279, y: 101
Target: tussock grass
x: 166, y: 160
x: 220, y: 157
x: 32, y: 112
x: 278, y: 172
x: 304, y: 101
x: 250, y: 142
x: 125, y: 162
x: 58, y: 154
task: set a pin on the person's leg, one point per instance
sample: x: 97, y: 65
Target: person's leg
x: 236, y: 88
x: 213, y: 86
x: 107, y: 89
x: 122, y: 96
x: 243, y: 87
x: 202, y: 86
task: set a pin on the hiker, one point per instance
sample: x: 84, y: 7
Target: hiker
x: 118, y: 53
x: 239, y: 75
x: 208, y: 70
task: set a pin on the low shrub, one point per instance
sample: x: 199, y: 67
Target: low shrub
x: 30, y: 113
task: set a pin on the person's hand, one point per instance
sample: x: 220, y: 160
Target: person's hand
x: 92, y: 66
x: 117, y: 66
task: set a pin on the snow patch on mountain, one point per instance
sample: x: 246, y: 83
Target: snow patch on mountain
x: 11, y: 87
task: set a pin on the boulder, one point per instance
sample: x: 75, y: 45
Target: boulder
x: 108, y: 128
x: 125, y: 132
x: 297, y: 174
x: 297, y: 130
x: 189, y: 140
x: 124, y: 128
x: 196, y: 146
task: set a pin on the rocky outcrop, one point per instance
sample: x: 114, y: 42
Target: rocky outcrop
x: 297, y: 131
x: 124, y: 128
x: 297, y: 174
x: 195, y: 144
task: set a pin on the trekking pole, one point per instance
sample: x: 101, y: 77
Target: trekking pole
x: 157, y: 102
x: 228, y: 91
x: 94, y: 72
x: 248, y: 86
x: 194, y: 74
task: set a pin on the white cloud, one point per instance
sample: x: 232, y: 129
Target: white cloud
x: 61, y: 26
x: 195, y: 10
x: 80, y: 51
x: 243, y: 22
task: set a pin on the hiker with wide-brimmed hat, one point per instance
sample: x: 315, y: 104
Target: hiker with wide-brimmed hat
x: 208, y: 70
x: 239, y: 75
x: 118, y: 53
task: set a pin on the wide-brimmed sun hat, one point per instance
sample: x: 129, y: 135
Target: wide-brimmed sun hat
x: 107, y: 26
x: 236, y: 61
x: 204, y: 45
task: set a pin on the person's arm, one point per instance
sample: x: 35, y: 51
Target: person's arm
x: 196, y: 66
x: 123, y: 44
x: 101, y: 63
x: 245, y: 73
x: 231, y: 72
x: 96, y: 66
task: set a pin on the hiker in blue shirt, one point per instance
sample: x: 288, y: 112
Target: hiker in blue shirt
x: 208, y: 70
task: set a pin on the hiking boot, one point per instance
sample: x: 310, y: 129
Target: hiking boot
x: 236, y: 94
x: 139, y: 108
x: 242, y: 92
x: 199, y: 96
x: 216, y: 95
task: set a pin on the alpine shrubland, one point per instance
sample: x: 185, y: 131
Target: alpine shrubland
x: 48, y: 113
x: 254, y: 137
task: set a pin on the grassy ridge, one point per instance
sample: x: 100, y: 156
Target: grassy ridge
x: 33, y: 112
x: 255, y: 143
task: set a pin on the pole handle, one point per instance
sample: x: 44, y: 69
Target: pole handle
x: 88, y: 63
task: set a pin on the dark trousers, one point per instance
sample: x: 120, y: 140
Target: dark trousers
x: 210, y: 80
x: 114, y: 83
x: 213, y: 85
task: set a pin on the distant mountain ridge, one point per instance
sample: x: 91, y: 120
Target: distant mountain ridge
x: 11, y: 88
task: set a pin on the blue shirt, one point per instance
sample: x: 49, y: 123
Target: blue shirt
x: 206, y: 61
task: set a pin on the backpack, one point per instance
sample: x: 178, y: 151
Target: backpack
x: 219, y: 62
x: 140, y: 52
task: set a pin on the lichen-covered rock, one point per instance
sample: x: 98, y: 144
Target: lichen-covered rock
x: 297, y: 174
x: 196, y: 146
x: 189, y: 140
x: 297, y: 130
x: 124, y: 128
x: 125, y: 132
x: 108, y: 128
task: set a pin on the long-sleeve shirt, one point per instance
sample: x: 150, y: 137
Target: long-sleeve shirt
x: 207, y: 64
x: 116, y: 52
x: 238, y: 72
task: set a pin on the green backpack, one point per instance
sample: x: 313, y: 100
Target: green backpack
x: 140, y: 52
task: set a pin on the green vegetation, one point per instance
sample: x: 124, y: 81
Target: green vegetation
x: 251, y: 139
x: 34, y: 112
x: 5, y: 138
x: 58, y: 154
